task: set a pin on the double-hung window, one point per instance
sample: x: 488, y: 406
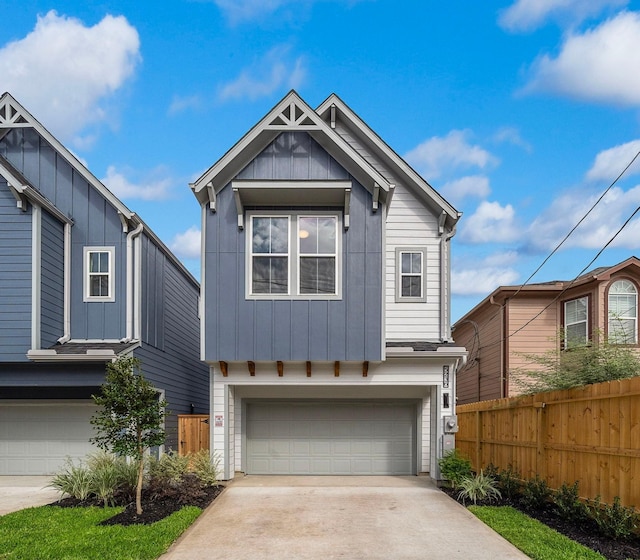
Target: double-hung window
x: 99, y: 274
x: 294, y: 254
x: 410, y: 276
x: 623, y: 313
x: 576, y: 322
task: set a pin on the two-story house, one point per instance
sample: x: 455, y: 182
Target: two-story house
x: 516, y: 321
x: 325, y: 300
x: 82, y: 281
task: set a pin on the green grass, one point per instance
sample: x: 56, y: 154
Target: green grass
x: 531, y: 536
x: 51, y: 532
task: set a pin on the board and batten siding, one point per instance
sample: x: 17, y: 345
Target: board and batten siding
x: 51, y: 280
x: 15, y: 280
x: 411, y: 224
x: 95, y: 224
x: 294, y: 329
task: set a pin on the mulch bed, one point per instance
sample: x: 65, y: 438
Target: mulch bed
x: 152, y: 509
x: 584, y: 532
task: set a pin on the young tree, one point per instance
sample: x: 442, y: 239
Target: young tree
x: 130, y: 419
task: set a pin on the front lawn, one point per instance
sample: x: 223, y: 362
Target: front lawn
x: 51, y: 532
x: 532, y: 537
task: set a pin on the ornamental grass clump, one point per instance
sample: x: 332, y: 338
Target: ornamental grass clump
x: 478, y: 488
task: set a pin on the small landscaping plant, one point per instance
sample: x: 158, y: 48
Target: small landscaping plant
x: 614, y: 520
x: 535, y: 494
x: 509, y: 483
x: 478, y: 488
x: 567, y: 503
x: 454, y: 467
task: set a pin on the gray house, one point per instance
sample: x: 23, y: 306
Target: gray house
x: 325, y: 309
x: 82, y: 281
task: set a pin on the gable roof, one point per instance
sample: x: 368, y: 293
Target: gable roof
x: 333, y: 109
x: 292, y: 113
x: 14, y: 115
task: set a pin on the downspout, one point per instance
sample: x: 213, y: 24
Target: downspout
x: 445, y: 281
x: 129, y: 282
x: 66, y: 333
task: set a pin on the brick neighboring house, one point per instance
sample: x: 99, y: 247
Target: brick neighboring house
x: 83, y: 280
x: 513, y: 321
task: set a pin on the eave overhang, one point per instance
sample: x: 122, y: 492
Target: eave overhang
x: 290, y: 114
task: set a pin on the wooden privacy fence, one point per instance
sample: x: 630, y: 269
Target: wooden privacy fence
x: 193, y: 431
x: 590, y: 434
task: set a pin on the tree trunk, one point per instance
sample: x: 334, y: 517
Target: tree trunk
x: 140, y: 473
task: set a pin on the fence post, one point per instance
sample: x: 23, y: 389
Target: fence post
x: 478, y: 449
x: 541, y: 464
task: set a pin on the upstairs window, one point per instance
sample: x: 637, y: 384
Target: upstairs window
x: 294, y: 255
x: 410, y: 277
x: 623, y: 313
x: 576, y: 322
x: 99, y: 274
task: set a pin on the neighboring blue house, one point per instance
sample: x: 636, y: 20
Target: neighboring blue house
x: 82, y: 281
x: 326, y: 291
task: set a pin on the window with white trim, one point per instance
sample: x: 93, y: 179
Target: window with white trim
x: 410, y: 276
x: 623, y: 313
x: 99, y: 274
x: 294, y: 255
x: 576, y: 322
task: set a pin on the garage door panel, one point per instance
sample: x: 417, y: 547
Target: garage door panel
x: 326, y: 437
x: 38, y: 437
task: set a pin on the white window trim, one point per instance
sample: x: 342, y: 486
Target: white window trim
x: 294, y: 255
x: 585, y: 321
x: 86, y: 284
x: 405, y: 299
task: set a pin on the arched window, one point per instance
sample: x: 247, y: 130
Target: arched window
x: 623, y: 313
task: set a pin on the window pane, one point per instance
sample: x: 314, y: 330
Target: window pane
x: 577, y: 334
x: 411, y: 286
x: 411, y: 263
x: 308, y: 232
x: 575, y: 311
x: 317, y: 275
x: 622, y: 331
x: 99, y: 285
x: 94, y: 262
x: 317, y: 235
x: 104, y: 262
x: 270, y: 235
x: 327, y: 236
x: 270, y: 275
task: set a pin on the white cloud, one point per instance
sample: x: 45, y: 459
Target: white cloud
x: 438, y: 155
x: 155, y: 186
x: 473, y: 278
x: 511, y: 135
x: 244, y: 10
x: 610, y: 163
x: 548, y: 229
x: 490, y: 223
x: 469, y: 186
x: 273, y: 71
x: 187, y: 244
x: 64, y: 71
x: 602, y: 65
x: 180, y: 103
x: 526, y: 15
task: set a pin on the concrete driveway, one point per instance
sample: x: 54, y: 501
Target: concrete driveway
x: 338, y: 517
x: 20, y: 492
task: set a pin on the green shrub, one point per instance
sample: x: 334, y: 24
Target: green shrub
x: 478, y: 488
x: 567, y: 503
x: 73, y: 480
x: 105, y: 482
x: 509, y: 483
x: 535, y: 494
x: 205, y: 466
x: 171, y: 467
x: 615, y: 521
x: 454, y: 467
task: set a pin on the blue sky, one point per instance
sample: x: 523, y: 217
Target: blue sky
x: 521, y: 113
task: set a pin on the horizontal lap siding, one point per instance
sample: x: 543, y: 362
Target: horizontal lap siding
x: 171, y: 338
x: 411, y: 224
x: 15, y: 278
x: 52, y: 281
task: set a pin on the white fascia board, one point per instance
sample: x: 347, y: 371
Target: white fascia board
x: 53, y: 356
x: 388, y: 153
x: 259, y: 137
x: 31, y: 121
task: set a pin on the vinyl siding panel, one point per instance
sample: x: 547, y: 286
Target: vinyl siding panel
x: 411, y: 224
x: 15, y: 280
x: 293, y: 329
x: 51, y: 281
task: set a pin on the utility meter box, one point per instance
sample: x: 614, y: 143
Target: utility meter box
x: 450, y: 424
x: 448, y: 443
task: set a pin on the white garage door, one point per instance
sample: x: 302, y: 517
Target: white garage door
x: 330, y: 438
x: 36, y: 438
